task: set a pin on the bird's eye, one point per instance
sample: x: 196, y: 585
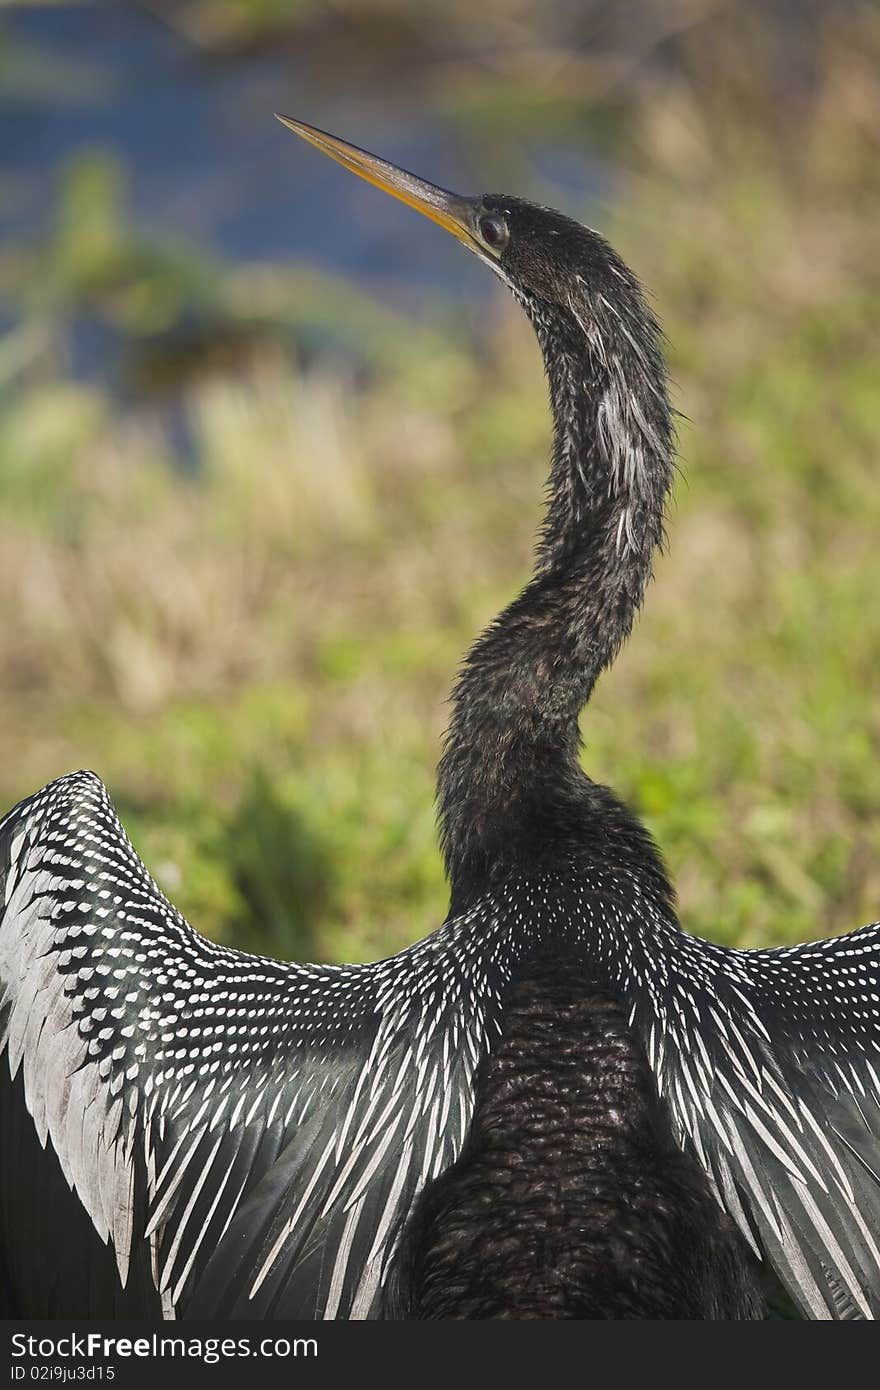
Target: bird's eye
x: 494, y: 232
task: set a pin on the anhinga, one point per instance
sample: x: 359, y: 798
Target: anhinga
x: 557, y: 1105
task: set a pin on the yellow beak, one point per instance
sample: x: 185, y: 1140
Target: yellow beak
x: 450, y: 211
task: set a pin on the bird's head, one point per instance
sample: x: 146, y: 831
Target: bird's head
x: 552, y: 264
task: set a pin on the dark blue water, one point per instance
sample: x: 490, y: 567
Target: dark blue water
x: 207, y: 161
x: 207, y: 165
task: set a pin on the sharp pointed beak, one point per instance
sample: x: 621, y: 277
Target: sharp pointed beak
x: 455, y: 214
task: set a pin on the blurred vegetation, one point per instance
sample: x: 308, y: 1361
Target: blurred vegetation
x: 237, y: 578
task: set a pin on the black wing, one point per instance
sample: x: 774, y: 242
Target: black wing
x: 770, y: 1061
x: 203, y: 1132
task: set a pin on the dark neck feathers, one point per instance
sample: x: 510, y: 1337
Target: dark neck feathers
x: 509, y: 781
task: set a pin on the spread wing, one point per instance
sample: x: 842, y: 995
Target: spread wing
x: 770, y: 1061
x: 197, y: 1131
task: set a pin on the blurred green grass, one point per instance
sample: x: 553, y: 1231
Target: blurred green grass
x: 251, y: 641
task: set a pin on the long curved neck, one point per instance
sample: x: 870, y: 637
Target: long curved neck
x: 509, y: 781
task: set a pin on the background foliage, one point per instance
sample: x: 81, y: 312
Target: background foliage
x: 240, y: 560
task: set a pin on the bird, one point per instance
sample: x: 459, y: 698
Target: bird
x: 558, y: 1105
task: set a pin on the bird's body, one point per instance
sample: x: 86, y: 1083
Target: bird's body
x: 570, y: 1198
x: 557, y: 1105
x: 348, y: 1088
